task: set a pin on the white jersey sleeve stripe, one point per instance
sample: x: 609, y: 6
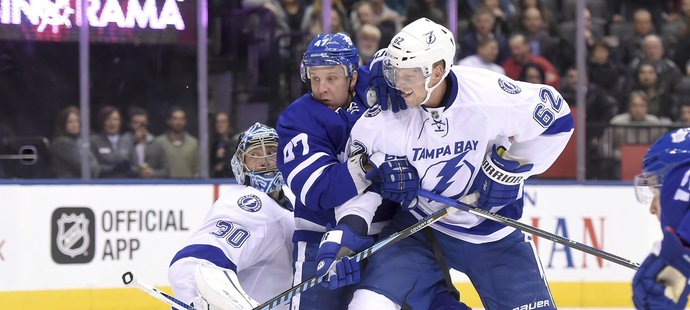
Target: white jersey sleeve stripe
x: 310, y: 181
x: 304, y: 224
x: 306, y: 163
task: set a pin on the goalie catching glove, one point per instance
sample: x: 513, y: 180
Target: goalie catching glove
x: 661, y: 281
x: 332, y: 257
x: 500, y: 179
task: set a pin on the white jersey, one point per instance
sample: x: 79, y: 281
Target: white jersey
x: 448, y: 144
x: 245, y: 231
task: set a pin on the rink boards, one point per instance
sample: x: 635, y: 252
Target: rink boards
x: 66, y: 246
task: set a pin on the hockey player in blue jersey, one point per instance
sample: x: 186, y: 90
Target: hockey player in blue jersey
x: 464, y: 131
x: 313, y: 131
x: 243, y: 248
x: 661, y: 282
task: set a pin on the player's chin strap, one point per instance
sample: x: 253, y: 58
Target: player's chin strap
x: 527, y: 228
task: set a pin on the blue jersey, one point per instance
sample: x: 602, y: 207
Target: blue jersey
x: 313, y: 139
x: 675, y: 200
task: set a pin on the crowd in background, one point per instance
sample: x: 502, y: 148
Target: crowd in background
x: 637, y: 81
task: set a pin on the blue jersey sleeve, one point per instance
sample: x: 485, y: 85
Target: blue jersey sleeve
x: 312, y: 154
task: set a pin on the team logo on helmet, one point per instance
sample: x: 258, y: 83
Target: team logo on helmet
x: 430, y: 37
x: 509, y: 87
x: 680, y: 135
x: 250, y: 203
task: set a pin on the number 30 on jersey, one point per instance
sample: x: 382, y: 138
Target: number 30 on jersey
x: 545, y: 112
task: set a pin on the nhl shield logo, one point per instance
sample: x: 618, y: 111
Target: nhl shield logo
x: 73, y: 235
x: 73, y: 238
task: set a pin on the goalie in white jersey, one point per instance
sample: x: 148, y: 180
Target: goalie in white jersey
x: 465, y: 131
x: 242, y: 253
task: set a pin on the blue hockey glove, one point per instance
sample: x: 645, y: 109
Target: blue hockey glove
x: 382, y: 93
x: 500, y: 179
x: 333, y: 258
x: 398, y: 179
x: 661, y: 281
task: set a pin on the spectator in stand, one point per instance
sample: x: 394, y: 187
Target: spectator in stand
x: 521, y: 54
x: 224, y: 143
x: 682, y: 55
x: 541, y: 43
x: 684, y: 115
x: 602, y: 71
x: 550, y: 22
x: 294, y: 13
x: 532, y: 73
x: 623, y: 133
x: 141, y: 139
x: 111, y: 150
x: 311, y: 23
x: 653, y: 53
x: 65, y: 148
x: 630, y: 47
x: 367, y: 41
x: 593, y: 33
x: 659, y: 99
x: 502, y: 10
x: 485, y: 56
x: 430, y: 9
x: 601, y: 108
x: 674, y: 31
x: 483, y: 28
x: 176, y: 148
x: 627, y: 10
x: 362, y: 14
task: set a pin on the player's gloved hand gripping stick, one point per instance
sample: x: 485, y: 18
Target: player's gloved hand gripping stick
x: 500, y: 179
x: 398, y: 179
x: 661, y: 281
x: 334, y: 264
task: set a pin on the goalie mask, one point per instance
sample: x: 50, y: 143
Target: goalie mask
x: 413, y: 52
x: 254, y: 162
x: 330, y: 50
x: 667, y: 152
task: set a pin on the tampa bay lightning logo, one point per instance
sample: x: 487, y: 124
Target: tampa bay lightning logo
x: 509, y: 86
x: 373, y: 111
x: 250, y: 203
x: 450, y: 178
x: 430, y: 37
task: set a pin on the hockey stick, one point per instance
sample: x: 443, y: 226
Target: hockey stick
x: 299, y: 288
x: 527, y: 228
x: 129, y: 280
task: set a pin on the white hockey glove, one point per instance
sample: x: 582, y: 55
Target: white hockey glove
x: 221, y: 289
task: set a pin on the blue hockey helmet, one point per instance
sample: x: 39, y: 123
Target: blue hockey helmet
x: 667, y: 152
x: 330, y: 49
x: 262, y: 172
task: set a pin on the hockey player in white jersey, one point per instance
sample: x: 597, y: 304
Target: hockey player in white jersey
x: 245, y: 237
x: 465, y: 131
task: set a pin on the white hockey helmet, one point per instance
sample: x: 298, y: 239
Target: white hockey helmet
x: 420, y: 45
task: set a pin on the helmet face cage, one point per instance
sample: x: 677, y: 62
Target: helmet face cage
x: 265, y: 177
x: 667, y: 152
x: 330, y: 50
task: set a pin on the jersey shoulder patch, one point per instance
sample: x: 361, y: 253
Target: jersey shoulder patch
x: 509, y: 86
x: 249, y: 203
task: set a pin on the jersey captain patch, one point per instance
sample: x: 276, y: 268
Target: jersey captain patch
x: 250, y: 203
x: 509, y: 87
